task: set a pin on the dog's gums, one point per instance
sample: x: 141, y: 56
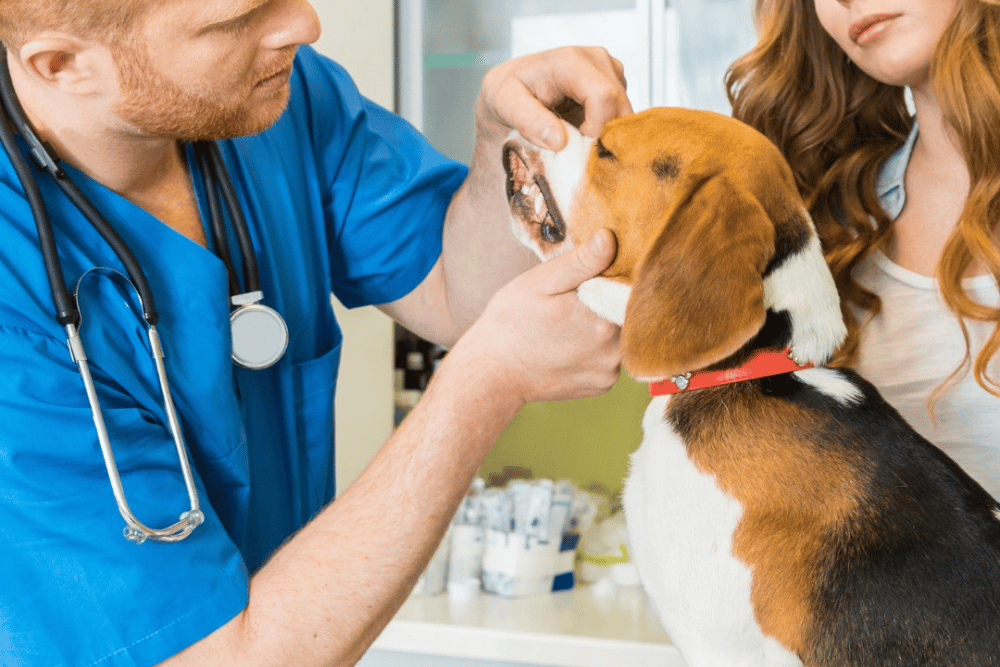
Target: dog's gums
x: 531, y: 198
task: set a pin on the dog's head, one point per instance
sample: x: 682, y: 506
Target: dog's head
x: 712, y: 236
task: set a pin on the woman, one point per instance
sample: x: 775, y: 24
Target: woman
x: 907, y: 203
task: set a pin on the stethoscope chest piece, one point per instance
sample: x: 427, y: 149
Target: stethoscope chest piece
x: 260, y: 335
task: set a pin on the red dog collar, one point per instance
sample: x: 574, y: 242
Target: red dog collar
x: 763, y: 364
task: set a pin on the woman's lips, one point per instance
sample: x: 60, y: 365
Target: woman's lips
x: 859, y: 28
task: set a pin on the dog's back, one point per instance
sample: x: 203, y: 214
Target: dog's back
x: 912, y: 577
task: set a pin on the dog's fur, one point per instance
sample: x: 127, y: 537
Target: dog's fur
x: 789, y: 520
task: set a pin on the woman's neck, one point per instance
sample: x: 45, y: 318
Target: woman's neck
x: 937, y: 186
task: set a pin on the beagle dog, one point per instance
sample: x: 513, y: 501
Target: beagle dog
x: 781, y: 513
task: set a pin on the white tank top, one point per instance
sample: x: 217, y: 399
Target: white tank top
x: 913, y: 345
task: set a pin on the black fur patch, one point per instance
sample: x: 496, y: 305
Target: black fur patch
x: 914, y: 578
x: 790, y: 237
x: 603, y: 152
x: 666, y: 167
x: 776, y: 334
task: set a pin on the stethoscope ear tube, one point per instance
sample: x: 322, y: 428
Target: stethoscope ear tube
x: 66, y: 310
x: 215, y: 215
x: 135, y: 530
x: 251, y: 274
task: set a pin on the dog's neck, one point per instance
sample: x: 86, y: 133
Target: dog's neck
x: 767, y: 353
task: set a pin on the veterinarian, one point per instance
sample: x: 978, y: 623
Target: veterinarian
x: 907, y: 205
x: 167, y: 115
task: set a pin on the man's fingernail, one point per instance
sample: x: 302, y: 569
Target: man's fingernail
x: 546, y: 135
x: 599, y: 243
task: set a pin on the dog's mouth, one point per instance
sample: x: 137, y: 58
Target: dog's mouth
x: 530, y: 197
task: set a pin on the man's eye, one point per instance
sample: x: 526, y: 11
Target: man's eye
x: 239, y: 26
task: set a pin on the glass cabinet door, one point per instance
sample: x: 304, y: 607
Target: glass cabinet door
x: 675, y: 52
x: 699, y: 40
x: 446, y: 46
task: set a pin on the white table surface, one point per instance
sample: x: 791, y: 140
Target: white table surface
x: 583, y: 627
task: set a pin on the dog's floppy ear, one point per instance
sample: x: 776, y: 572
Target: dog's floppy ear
x: 698, y: 294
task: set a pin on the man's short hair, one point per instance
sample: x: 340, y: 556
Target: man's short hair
x: 101, y: 20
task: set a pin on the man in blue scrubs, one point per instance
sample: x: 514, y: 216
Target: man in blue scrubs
x: 340, y: 196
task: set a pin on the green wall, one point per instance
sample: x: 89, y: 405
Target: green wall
x: 587, y: 440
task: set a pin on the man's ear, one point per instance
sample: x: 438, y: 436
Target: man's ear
x: 699, y: 293
x: 71, y: 64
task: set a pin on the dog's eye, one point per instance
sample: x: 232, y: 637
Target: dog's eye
x: 603, y: 152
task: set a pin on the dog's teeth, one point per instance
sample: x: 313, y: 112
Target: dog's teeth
x: 539, y: 203
x: 526, y: 190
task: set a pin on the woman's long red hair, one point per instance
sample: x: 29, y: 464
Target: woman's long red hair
x: 836, y: 126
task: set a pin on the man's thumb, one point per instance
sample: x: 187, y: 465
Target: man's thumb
x: 587, y: 261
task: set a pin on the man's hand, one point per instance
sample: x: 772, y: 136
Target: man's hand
x: 537, y: 337
x: 481, y: 254
x: 521, y: 94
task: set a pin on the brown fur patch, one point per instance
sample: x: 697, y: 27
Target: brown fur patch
x: 794, y: 491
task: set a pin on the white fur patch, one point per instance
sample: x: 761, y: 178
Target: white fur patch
x: 681, y: 527
x: 833, y: 384
x: 565, y: 170
x: 608, y: 298
x: 804, y: 287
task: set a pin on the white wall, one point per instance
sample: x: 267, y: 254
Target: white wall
x: 359, y: 35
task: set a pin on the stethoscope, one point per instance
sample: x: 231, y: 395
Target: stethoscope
x: 260, y: 335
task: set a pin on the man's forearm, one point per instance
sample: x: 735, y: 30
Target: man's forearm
x: 480, y: 253
x: 328, y: 592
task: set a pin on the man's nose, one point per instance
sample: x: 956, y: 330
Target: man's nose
x: 296, y: 23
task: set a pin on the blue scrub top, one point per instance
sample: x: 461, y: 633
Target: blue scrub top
x: 340, y: 196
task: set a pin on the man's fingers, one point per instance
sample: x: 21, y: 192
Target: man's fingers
x: 566, y: 272
x: 522, y: 110
x: 522, y: 93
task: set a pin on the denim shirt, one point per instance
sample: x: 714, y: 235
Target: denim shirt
x: 891, y: 183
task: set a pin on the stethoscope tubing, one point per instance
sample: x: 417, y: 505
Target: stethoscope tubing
x: 219, y: 236
x: 218, y: 174
x: 65, y: 305
x: 66, y: 310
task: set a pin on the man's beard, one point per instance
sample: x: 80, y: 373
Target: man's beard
x: 155, y: 105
